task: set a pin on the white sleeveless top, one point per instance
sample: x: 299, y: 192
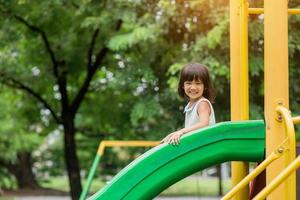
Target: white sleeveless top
x: 192, y: 117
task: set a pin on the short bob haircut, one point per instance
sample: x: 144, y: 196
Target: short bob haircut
x: 196, y: 71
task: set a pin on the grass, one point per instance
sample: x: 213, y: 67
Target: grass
x: 190, y: 186
x: 197, y: 186
x: 58, y: 183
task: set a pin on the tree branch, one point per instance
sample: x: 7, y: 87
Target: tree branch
x: 45, y: 40
x: 91, y: 49
x: 100, y: 55
x: 90, y: 73
x: 62, y: 83
x: 9, y: 81
x: 60, y: 76
x: 84, y: 88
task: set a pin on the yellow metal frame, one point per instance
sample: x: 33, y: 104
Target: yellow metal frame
x: 279, y: 179
x: 258, y: 11
x: 120, y: 143
x: 284, y: 115
x: 239, y: 80
x: 278, y: 119
x: 276, y: 92
x: 277, y: 153
x: 285, y: 147
x: 296, y: 120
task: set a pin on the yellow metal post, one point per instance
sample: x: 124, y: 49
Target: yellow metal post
x: 239, y: 79
x: 276, y: 90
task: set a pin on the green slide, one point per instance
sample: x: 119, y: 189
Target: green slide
x: 164, y: 165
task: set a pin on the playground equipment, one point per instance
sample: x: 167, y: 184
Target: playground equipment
x: 276, y: 86
x: 165, y: 164
x: 232, y: 141
x: 282, y: 149
x: 104, y: 144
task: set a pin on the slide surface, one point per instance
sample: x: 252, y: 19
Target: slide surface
x: 164, y: 165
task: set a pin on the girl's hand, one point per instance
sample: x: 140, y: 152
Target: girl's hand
x: 166, y: 139
x: 175, y: 137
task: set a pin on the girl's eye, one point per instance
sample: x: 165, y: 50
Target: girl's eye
x: 188, y: 83
x: 198, y: 82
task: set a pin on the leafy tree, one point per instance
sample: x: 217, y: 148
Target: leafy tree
x: 18, y: 139
x: 55, y: 54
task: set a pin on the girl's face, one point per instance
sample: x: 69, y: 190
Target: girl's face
x: 193, y: 89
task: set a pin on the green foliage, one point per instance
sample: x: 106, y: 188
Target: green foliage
x: 17, y: 133
x: 6, y: 179
x: 173, y: 72
x: 146, y: 111
x: 20, y: 131
x: 214, y: 36
x: 140, y: 34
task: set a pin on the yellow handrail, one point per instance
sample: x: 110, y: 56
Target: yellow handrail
x: 288, y: 144
x: 132, y: 143
x: 279, y: 179
x: 294, y: 11
x: 285, y: 114
x: 296, y: 120
x: 277, y: 153
x: 257, y: 11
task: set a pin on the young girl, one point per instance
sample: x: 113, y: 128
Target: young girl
x: 196, y: 87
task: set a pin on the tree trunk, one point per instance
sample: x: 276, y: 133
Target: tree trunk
x: 71, y: 158
x: 22, y: 171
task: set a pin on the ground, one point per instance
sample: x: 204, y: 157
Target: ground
x: 34, y: 192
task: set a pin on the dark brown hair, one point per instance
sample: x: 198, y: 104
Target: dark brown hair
x: 196, y: 71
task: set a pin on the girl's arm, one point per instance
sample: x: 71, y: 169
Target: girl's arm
x: 204, y: 113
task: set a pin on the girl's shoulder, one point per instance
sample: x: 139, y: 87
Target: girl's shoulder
x: 203, y: 99
x: 190, y: 107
